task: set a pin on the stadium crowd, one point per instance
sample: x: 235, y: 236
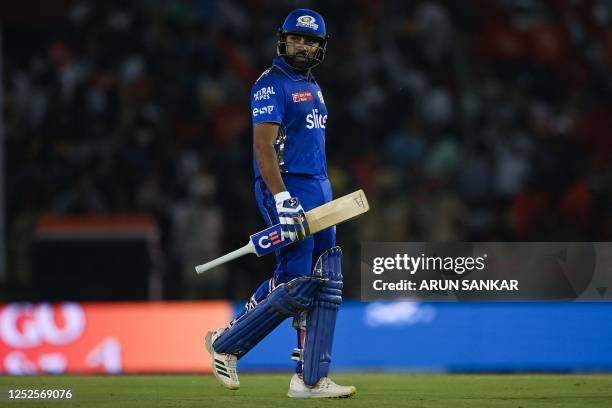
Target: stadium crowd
x: 472, y: 121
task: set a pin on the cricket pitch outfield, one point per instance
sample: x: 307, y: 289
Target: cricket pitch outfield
x: 373, y: 390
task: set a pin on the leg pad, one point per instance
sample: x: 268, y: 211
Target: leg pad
x: 321, y: 318
x: 286, y: 300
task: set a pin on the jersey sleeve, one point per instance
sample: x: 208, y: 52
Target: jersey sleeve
x: 267, y: 101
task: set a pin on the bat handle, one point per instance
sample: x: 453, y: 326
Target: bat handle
x: 247, y: 249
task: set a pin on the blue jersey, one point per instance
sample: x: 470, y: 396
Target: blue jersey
x: 282, y: 95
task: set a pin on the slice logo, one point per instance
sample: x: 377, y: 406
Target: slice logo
x: 265, y: 241
x: 315, y: 120
x: 302, y: 96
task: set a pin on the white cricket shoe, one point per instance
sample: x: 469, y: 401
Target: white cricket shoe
x: 223, y: 365
x: 325, y: 388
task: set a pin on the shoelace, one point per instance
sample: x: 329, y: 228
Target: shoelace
x: 231, y: 364
x: 325, y: 383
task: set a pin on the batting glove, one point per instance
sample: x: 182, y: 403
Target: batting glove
x: 291, y: 216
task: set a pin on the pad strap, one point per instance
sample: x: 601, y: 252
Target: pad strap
x: 297, y: 354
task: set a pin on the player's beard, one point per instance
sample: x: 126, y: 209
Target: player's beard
x: 301, y: 61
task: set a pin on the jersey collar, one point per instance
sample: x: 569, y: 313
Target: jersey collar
x: 290, y: 71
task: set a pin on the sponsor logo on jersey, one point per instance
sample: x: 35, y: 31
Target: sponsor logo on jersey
x: 263, y: 110
x: 302, y: 96
x: 308, y: 22
x: 320, y: 95
x: 315, y: 120
x: 264, y: 93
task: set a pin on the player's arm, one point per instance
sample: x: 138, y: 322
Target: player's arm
x: 265, y: 154
x: 290, y: 212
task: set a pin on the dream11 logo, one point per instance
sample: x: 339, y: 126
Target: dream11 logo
x: 24, y: 326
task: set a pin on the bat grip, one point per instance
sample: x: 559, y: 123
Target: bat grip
x: 247, y: 249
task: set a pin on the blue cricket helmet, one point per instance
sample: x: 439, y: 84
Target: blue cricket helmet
x: 307, y: 23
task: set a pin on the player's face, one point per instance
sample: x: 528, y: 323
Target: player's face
x: 300, y: 47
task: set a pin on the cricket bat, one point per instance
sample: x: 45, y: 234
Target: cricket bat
x: 325, y: 216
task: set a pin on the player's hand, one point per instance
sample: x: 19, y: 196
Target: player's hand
x: 291, y: 216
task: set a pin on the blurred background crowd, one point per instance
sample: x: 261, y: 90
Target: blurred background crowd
x: 474, y: 120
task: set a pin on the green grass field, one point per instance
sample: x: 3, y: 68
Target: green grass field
x: 373, y: 390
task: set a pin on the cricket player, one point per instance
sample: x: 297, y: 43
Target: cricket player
x: 289, y: 120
